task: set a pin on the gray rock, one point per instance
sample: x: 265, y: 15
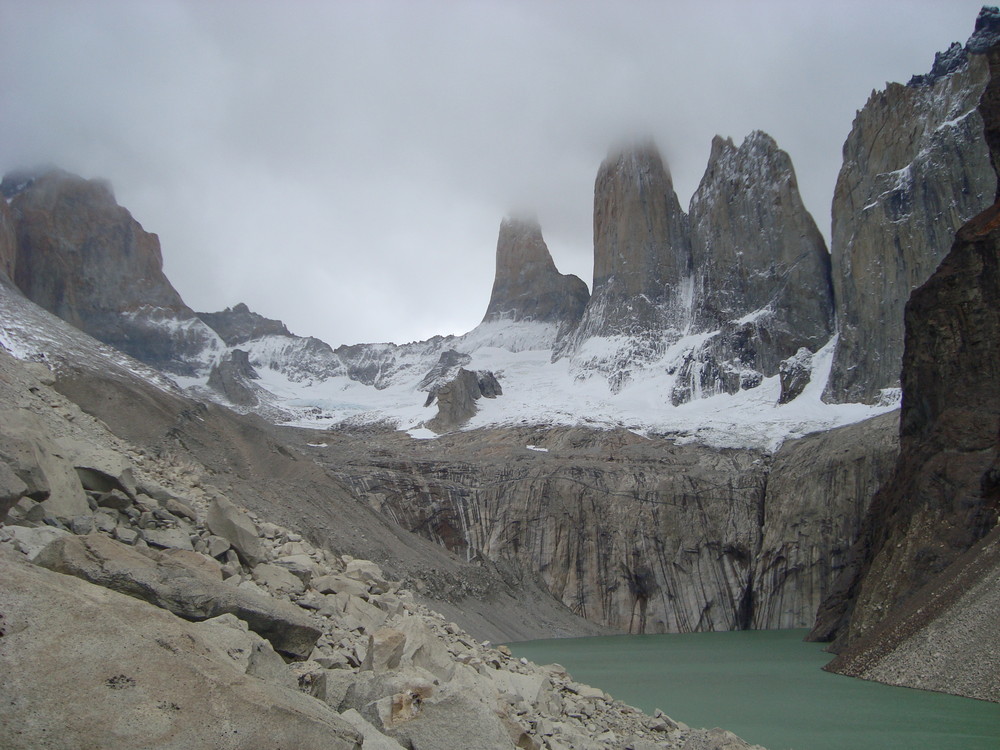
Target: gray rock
x: 457, y: 399
x: 142, y: 679
x: 794, y: 375
x: 175, y: 538
x: 179, y: 588
x: 527, y: 286
x: 226, y: 520
x: 31, y: 541
x: 217, y: 546
x: 385, y: 650
x: 12, y: 489
x: 374, y: 739
x: 916, y: 166
x: 114, y: 499
x: 277, y: 579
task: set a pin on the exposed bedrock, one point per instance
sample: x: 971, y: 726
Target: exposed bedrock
x: 916, y: 166
x: 818, y: 491
x: 83, y: 257
x: 925, y: 527
x: 636, y: 533
x: 527, y: 285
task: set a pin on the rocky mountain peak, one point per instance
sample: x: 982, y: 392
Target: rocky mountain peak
x: 527, y: 285
x: 642, y: 252
x: 916, y: 167
x: 238, y: 324
x: 755, y: 247
x: 84, y: 258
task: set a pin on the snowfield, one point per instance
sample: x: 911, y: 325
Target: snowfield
x: 536, y: 389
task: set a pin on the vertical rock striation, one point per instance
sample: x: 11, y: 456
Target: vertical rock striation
x: 915, y: 168
x: 527, y: 286
x: 818, y: 491
x: 84, y: 258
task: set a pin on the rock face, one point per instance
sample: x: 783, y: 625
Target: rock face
x: 640, y: 534
x: 818, y: 491
x: 944, y: 496
x: 527, y: 286
x: 232, y: 377
x: 457, y: 398
x: 933, y: 524
x: 761, y: 267
x: 746, y: 274
x: 83, y: 257
x: 642, y: 263
x: 8, y: 242
x: 916, y: 167
x: 237, y: 325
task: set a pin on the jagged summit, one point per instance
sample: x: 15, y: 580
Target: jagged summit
x: 527, y: 286
x: 761, y: 267
x: 238, y: 324
x: 916, y: 167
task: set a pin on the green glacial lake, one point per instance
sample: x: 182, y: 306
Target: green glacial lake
x: 767, y: 687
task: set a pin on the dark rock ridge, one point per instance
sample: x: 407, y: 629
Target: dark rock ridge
x: 930, y: 526
x: 238, y: 324
x: 457, y: 398
x: 8, y: 242
x: 83, y: 257
x: 231, y: 378
x: 915, y: 168
x: 527, y: 286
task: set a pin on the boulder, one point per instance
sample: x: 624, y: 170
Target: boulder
x: 232, y: 524
x: 142, y: 678
x: 12, y: 489
x: 184, y: 591
x: 374, y: 739
x: 407, y: 705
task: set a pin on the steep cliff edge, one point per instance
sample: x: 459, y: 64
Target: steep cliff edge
x: 934, y: 523
x: 84, y: 258
x: 636, y: 533
x: 916, y: 167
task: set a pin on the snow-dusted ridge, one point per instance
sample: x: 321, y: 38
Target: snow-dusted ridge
x: 308, y: 384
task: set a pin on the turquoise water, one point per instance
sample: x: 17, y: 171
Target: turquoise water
x: 767, y: 687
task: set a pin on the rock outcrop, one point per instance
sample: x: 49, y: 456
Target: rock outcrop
x: 238, y: 324
x: 916, y: 167
x: 84, y: 258
x: 527, y: 285
x: 818, y: 492
x: 934, y: 523
x: 761, y: 269
x: 8, y: 241
x: 232, y: 377
x: 639, y: 533
x: 456, y: 399
x: 642, y: 266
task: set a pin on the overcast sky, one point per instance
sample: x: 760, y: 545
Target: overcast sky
x: 344, y: 166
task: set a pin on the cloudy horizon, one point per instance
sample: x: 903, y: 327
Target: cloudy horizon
x: 344, y: 166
